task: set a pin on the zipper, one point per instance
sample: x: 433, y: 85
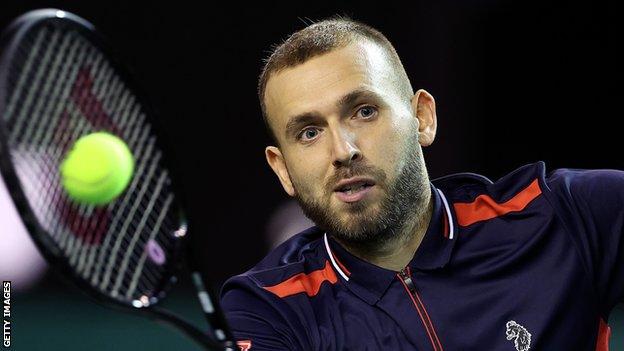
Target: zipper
x: 405, y: 276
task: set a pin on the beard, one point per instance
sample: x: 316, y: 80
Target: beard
x: 366, y: 225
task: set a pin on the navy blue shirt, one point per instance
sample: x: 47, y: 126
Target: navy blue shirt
x: 533, y: 261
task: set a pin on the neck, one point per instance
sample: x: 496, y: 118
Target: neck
x: 395, y: 254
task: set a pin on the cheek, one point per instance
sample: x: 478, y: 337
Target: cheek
x: 307, y: 173
x: 384, y: 145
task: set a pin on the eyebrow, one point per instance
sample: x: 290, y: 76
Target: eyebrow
x: 343, y: 104
x: 295, y: 123
x: 356, y: 95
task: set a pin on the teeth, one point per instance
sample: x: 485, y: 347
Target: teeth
x: 353, y: 189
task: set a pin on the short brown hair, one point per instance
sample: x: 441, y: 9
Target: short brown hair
x: 320, y: 38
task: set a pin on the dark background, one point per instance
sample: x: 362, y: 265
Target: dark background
x: 514, y: 81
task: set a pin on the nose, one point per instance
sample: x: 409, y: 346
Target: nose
x: 345, y: 150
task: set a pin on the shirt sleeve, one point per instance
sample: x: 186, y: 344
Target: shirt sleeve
x: 257, y: 320
x: 591, y: 203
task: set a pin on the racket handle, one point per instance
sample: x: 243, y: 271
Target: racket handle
x: 197, y: 335
x: 212, y: 311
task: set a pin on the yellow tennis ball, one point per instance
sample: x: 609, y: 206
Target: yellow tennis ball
x: 97, y: 169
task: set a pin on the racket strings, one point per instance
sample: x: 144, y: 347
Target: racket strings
x: 64, y: 87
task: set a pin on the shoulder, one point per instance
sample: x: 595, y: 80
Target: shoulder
x: 297, y: 258
x: 585, y: 182
x: 532, y: 179
x: 586, y: 193
x: 260, y: 304
x: 475, y: 198
x: 465, y: 187
x: 567, y: 190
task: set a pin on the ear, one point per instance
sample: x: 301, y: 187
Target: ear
x: 424, y: 106
x: 276, y: 161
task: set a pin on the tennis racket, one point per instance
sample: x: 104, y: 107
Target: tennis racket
x: 59, y: 81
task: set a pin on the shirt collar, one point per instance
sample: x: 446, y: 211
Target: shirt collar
x: 370, y: 281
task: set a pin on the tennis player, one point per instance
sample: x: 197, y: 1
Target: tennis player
x: 396, y: 261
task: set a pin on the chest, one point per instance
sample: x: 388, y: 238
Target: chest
x: 531, y: 297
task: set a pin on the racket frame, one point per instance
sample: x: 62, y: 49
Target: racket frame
x: 9, y: 43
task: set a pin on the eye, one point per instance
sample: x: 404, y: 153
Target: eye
x: 367, y: 112
x: 308, y: 134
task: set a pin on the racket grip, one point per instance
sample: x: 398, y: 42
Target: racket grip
x: 201, y: 338
x: 212, y: 311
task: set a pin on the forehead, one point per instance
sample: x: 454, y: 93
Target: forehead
x: 318, y: 83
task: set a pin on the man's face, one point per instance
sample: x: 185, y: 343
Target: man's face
x: 348, y: 137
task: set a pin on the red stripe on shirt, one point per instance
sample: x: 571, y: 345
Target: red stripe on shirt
x: 309, y: 283
x: 604, y: 333
x: 484, y: 207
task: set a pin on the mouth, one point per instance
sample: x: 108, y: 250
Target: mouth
x: 353, y: 189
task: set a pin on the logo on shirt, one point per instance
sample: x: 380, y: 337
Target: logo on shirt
x: 520, y: 336
x: 244, y: 345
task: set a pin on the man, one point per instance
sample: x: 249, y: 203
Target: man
x: 399, y: 262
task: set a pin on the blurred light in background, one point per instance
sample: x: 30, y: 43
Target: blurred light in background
x: 287, y: 220
x: 20, y: 261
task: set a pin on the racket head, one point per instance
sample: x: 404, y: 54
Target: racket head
x: 59, y: 80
